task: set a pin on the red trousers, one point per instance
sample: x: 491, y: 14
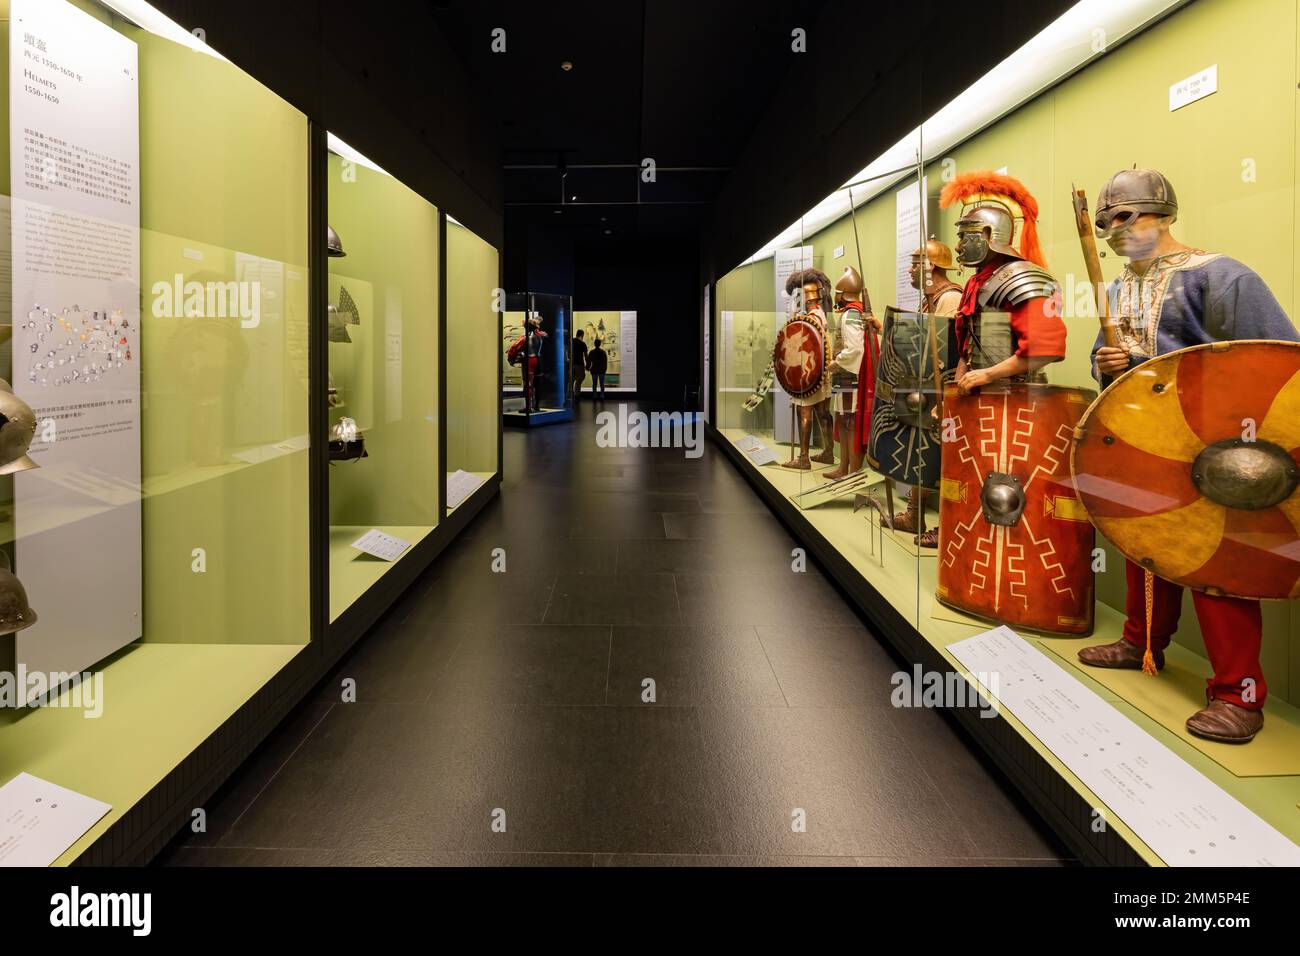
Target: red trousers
x: 1232, y: 628
x: 532, y: 382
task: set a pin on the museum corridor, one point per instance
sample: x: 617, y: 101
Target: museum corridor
x: 499, y: 715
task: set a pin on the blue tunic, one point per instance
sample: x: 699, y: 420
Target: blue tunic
x: 1191, y: 298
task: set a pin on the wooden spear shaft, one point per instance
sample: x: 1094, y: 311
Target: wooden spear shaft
x: 1092, y: 262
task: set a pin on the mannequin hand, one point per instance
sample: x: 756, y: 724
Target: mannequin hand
x: 1112, y: 361
x: 874, y: 324
x: 973, y: 380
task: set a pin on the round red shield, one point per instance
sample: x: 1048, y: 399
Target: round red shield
x: 1190, y: 464
x: 800, y: 356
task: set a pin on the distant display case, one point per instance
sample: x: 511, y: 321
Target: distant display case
x: 536, y: 369
x: 205, y: 405
x: 1004, y: 466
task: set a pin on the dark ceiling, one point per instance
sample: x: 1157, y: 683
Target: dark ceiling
x: 682, y: 83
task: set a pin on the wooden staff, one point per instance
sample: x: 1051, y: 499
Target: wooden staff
x: 1092, y: 262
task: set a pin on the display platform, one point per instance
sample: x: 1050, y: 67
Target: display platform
x: 1264, y: 777
x: 352, y: 572
x: 160, y: 704
x: 544, y: 416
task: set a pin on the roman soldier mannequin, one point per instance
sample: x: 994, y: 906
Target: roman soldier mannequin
x: 939, y: 296
x: 1005, y: 280
x: 528, y: 347
x: 855, y: 347
x: 1171, y: 296
x: 815, y: 292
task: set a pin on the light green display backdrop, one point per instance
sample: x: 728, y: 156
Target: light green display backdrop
x: 224, y: 408
x: 473, y: 277
x: 387, y: 376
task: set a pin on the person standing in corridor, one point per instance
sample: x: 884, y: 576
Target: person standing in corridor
x: 597, y: 362
x: 579, y: 361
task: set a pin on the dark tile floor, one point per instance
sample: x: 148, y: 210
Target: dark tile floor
x: 522, y: 696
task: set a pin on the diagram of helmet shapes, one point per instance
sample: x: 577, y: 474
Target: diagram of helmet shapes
x: 15, y: 612
x: 17, y: 429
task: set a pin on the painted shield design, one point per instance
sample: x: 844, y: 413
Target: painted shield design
x: 801, y: 356
x: 904, y: 443
x: 1188, y: 463
x: 1015, y: 545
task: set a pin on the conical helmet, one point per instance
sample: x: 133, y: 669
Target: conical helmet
x: 15, y: 612
x: 850, y: 283
x: 333, y: 244
x: 17, y: 429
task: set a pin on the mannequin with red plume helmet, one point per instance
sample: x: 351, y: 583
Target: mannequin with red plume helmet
x: 1008, y: 278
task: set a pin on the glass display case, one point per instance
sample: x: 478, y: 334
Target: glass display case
x: 536, y: 348
x: 190, y: 448
x: 1074, y: 411
x: 473, y: 402
x: 383, y: 345
x: 158, y: 527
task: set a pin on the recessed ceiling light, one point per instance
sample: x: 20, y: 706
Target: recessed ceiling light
x: 572, y: 198
x: 566, y: 66
x: 609, y: 232
x: 556, y: 211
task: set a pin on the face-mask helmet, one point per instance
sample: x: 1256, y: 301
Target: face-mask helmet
x: 991, y: 203
x: 1130, y: 193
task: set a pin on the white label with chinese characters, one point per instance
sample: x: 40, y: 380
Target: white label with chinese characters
x: 1195, y: 87
x: 1182, y: 815
x: 374, y: 542
x: 460, y: 485
x: 39, y: 820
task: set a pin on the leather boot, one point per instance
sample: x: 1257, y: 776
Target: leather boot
x: 1120, y: 654
x: 929, y: 539
x: 905, y: 521
x: 1226, y: 722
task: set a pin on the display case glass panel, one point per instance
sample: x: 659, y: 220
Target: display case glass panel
x: 473, y: 399
x: 159, y: 530
x: 1054, y: 485
x: 536, y: 341
x: 383, y: 362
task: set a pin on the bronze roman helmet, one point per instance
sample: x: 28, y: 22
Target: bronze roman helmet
x: 849, y: 287
x: 15, y: 612
x: 1130, y: 193
x: 937, y: 254
x: 814, y: 286
x: 17, y: 429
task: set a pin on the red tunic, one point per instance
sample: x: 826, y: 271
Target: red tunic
x: 1037, y: 330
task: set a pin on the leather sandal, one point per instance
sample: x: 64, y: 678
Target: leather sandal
x: 1119, y: 654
